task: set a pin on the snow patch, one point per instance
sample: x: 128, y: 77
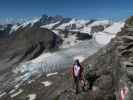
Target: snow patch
x: 51, y: 74
x: 32, y: 96
x: 56, y: 32
x: 17, y: 93
x: 50, y: 26
x: 12, y: 91
x: 31, y: 81
x: 103, y: 38
x: 115, y: 28
x: 76, y: 22
x: 109, y: 33
x: 42, y: 57
x: 86, y: 30
x: 2, y: 94
x: 17, y: 86
x: 46, y: 83
x: 14, y: 28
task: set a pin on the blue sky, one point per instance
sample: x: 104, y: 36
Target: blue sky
x: 88, y: 9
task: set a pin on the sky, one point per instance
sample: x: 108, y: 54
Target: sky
x: 87, y: 9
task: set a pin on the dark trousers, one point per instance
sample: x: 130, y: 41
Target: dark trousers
x: 76, y: 82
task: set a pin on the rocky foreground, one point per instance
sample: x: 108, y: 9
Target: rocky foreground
x: 53, y: 86
x: 112, y: 67
x: 109, y: 71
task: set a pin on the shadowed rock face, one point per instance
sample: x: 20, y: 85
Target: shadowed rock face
x: 52, y: 19
x: 98, y: 28
x: 23, y: 45
x: 26, y: 44
x: 33, y: 41
x: 112, y: 66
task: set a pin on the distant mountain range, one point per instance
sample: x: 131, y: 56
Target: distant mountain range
x: 31, y: 38
x: 62, y: 23
x: 68, y: 26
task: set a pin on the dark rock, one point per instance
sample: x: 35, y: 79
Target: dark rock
x: 105, y: 82
x: 98, y: 28
x: 26, y: 44
x: 83, y: 36
x: 33, y: 41
x: 4, y: 30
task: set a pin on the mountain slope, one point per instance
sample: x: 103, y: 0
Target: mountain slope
x: 112, y: 67
x: 26, y: 44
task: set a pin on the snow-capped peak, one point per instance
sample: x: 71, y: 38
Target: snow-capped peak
x: 50, y: 26
x: 78, y: 24
x: 14, y: 28
x: 31, y: 22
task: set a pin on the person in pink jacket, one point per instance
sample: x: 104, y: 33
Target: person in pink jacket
x: 77, y: 72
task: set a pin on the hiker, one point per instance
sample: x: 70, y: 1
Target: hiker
x: 77, y: 72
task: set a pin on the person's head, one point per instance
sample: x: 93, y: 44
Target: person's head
x: 76, y: 62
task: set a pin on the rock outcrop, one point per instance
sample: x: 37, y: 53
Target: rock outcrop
x: 26, y: 44
x: 96, y: 29
x: 33, y: 41
x: 112, y: 67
